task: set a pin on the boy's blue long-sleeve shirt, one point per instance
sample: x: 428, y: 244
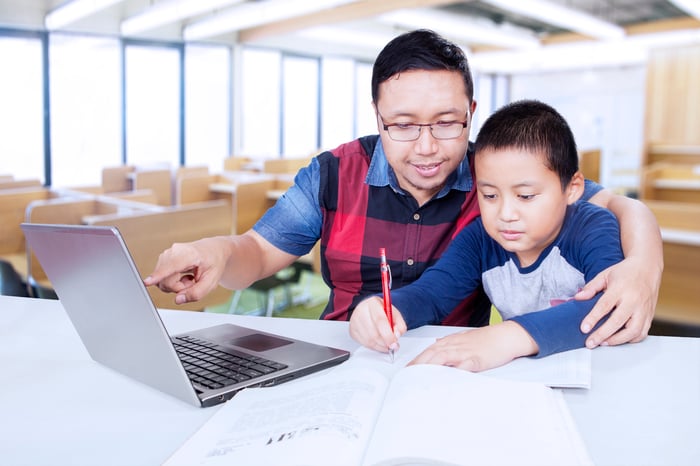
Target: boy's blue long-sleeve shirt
x: 588, y: 243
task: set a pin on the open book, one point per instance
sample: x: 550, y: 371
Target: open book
x: 568, y: 369
x: 423, y: 414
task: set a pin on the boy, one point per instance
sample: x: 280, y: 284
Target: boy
x: 533, y: 249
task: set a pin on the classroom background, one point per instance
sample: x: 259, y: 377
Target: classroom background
x: 190, y: 117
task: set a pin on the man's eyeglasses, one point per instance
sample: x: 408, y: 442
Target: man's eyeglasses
x: 404, y: 132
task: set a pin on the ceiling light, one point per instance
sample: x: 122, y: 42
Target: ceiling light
x: 633, y: 50
x: 562, y: 16
x: 692, y: 7
x: 463, y: 28
x: 71, y: 12
x: 347, y: 36
x: 255, y: 14
x: 170, y: 12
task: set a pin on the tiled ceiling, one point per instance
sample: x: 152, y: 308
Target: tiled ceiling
x: 361, y: 27
x: 620, y: 12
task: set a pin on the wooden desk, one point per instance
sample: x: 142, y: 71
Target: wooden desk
x: 63, y: 408
x: 274, y: 194
x: 672, y: 153
x: 678, y: 301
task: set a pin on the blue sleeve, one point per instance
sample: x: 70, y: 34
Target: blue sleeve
x: 590, y: 189
x: 595, y: 236
x: 293, y: 224
x: 444, y: 285
x: 560, y: 330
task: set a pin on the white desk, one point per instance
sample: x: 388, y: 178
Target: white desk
x: 58, y: 407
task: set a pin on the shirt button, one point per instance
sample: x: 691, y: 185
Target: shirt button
x: 416, y: 217
x: 409, y: 261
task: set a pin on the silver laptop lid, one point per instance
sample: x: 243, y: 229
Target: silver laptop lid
x: 91, y: 275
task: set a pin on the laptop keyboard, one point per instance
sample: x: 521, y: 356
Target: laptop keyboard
x: 209, y: 365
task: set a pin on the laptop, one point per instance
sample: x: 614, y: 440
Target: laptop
x: 95, y: 278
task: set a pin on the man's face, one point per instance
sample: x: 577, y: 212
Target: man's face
x: 422, y: 97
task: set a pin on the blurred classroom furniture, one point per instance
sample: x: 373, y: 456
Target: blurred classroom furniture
x: 147, y: 228
x: 670, y: 178
x: 589, y: 164
x: 153, y: 207
x: 679, y: 295
x: 669, y: 181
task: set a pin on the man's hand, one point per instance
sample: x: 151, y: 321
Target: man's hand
x: 370, y: 327
x: 191, y: 270
x: 480, y: 349
x: 630, y: 290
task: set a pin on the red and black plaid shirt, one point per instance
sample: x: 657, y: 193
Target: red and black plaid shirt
x: 358, y: 219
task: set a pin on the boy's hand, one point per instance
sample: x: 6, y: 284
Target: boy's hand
x: 370, y: 327
x: 480, y: 349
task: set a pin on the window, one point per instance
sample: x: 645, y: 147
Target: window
x: 22, y: 108
x: 85, y: 108
x: 207, y: 105
x: 300, y: 106
x: 260, y: 103
x: 337, y: 102
x: 152, y: 105
x: 365, y: 121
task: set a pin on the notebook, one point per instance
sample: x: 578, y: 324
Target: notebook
x: 94, y: 276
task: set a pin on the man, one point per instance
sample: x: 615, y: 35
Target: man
x: 409, y: 190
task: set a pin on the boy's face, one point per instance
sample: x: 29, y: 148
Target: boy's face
x: 421, y: 97
x: 521, y: 200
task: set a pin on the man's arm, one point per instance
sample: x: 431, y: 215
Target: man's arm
x: 286, y: 231
x: 631, y: 287
x: 192, y: 270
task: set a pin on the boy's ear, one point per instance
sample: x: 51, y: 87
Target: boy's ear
x: 574, y: 190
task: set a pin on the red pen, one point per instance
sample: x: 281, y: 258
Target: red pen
x: 386, y: 287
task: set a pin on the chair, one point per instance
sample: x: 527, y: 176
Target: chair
x: 11, y: 284
x: 267, y: 286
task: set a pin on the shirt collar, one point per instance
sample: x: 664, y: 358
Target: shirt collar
x: 381, y: 174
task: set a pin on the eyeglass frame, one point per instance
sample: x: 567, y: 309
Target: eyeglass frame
x: 420, y: 127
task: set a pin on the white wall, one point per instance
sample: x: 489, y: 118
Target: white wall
x: 605, y: 109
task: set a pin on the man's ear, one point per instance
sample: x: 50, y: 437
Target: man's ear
x: 376, y: 117
x: 574, y: 190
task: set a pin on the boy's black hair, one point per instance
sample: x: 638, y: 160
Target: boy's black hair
x: 532, y: 126
x: 421, y: 49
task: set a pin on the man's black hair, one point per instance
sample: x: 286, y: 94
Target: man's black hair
x: 421, y: 49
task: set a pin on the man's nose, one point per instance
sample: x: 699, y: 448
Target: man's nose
x: 426, y: 142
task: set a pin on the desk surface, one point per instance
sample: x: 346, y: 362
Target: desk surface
x: 59, y: 407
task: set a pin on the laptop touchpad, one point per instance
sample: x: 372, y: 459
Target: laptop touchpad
x: 259, y: 342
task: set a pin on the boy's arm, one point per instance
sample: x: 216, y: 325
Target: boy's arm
x: 445, y: 284
x: 631, y: 288
x: 527, y: 335
x: 425, y: 301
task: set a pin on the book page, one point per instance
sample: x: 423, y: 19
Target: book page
x: 323, y: 420
x: 441, y: 415
x: 569, y: 369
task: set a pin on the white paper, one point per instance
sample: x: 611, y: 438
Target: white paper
x: 568, y: 369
